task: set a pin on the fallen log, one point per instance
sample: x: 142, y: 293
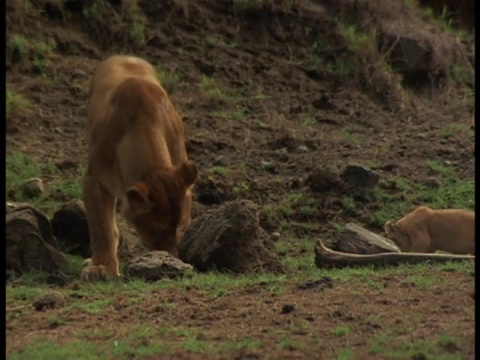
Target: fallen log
x: 327, y: 258
x: 358, y: 240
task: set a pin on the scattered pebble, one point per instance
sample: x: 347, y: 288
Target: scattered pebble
x: 302, y: 149
x: 275, y: 236
x: 288, y: 308
x: 325, y: 282
x: 268, y: 166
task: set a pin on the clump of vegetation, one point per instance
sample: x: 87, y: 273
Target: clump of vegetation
x: 35, y: 54
x: 60, y: 187
x: 124, y: 26
x: 16, y: 105
x: 211, y: 87
x: 169, y: 79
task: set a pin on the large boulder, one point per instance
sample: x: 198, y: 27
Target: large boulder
x: 229, y: 238
x: 30, y: 243
x: 70, y: 227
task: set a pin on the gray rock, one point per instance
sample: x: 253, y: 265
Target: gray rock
x: 29, y: 241
x: 358, y: 240
x: 157, y: 265
x: 358, y: 176
x: 32, y: 188
x: 323, y: 179
x: 409, y: 53
x: 50, y: 300
x: 70, y: 227
x: 228, y: 238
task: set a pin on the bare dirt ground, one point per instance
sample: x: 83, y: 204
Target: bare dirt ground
x: 266, y: 121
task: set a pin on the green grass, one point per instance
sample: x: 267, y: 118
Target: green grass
x: 307, y: 120
x: 43, y: 49
x: 388, y: 344
x: 341, y: 330
x: 211, y: 87
x: 220, y: 170
x: 18, y: 47
x: 345, y: 354
x: 138, y: 32
x: 20, y: 167
x: 351, y: 137
x: 16, y: 105
x: 93, y: 307
x: 453, y: 192
x: 457, y: 128
x: 35, y: 53
x: 141, y: 339
x: 169, y: 79
x: 78, y: 350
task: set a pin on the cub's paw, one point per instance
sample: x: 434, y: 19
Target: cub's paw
x: 98, y: 272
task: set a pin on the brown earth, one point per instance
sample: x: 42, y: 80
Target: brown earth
x: 294, y: 97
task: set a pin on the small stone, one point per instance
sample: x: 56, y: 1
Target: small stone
x: 220, y: 161
x: 268, y: 166
x: 302, y: 149
x: 66, y: 165
x: 49, y: 300
x: 275, y: 236
x: 288, y: 308
x: 32, y: 187
x: 78, y: 73
x: 157, y: 265
x: 325, y: 282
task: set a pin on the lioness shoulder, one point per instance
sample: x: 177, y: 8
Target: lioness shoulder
x: 427, y: 230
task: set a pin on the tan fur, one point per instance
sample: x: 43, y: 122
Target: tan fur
x: 426, y: 230
x: 136, y: 151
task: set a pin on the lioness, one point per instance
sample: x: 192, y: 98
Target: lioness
x: 136, y: 151
x: 426, y: 230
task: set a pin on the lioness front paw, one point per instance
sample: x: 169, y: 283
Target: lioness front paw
x: 98, y: 272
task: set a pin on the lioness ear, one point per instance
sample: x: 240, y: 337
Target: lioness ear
x: 137, y: 197
x: 390, y: 227
x: 188, y: 172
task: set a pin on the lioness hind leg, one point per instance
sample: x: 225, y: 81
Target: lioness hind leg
x: 100, y: 209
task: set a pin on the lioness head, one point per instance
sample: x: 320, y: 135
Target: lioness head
x: 395, y: 233
x: 154, y: 205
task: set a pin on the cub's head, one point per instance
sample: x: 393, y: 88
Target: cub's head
x: 155, y: 207
x: 397, y: 235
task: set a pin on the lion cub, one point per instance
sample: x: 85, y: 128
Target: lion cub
x: 426, y: 230
x: 136, y: 151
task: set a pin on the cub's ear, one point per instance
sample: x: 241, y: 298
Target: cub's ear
x: 137, y: 198
x: 188, y: 172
